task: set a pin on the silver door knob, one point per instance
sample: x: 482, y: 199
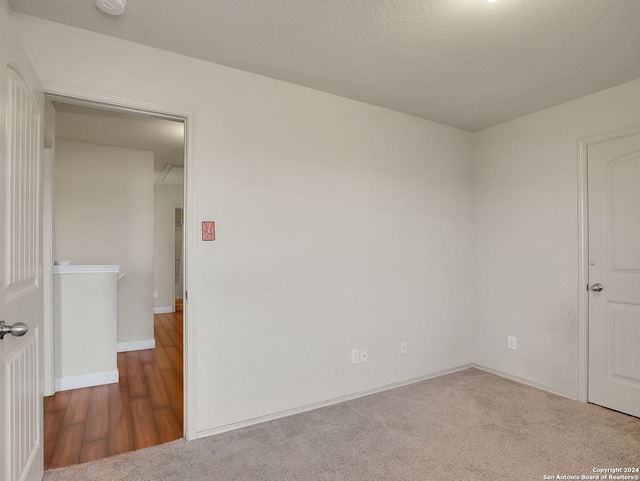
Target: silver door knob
x: 18, y: 329
x: 597, y: 287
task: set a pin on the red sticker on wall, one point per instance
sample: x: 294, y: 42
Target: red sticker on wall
x: 208, y: 231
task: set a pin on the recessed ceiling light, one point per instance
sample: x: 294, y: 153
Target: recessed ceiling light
x: 112, y: 7
x: 492, y: 1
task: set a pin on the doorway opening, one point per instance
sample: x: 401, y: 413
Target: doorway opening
x: 117, y: 177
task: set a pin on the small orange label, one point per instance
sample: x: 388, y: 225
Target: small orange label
x: 208, y: 231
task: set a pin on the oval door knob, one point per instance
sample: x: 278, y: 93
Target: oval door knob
x: 597, y: 287
x: 18, y: 329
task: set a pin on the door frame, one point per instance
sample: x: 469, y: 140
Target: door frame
x: 583, y: 250
x: 107, y: 100
x: 48, y: 164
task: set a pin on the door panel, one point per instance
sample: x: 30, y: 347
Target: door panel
x: 21, y: 103
x: 22, y: 195
x: 624, y: 333
x: 23, y: 408
x: 614, y: 262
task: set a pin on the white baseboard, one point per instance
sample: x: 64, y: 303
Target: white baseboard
x: 164, y: 310
x: 86, y: 380
x: 136, y: 345
x: 311, y: 407
x: 526, y: 381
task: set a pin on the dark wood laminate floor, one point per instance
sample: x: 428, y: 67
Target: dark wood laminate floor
x: 144, y: 408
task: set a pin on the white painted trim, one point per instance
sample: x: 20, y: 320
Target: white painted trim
x: 189, y: 229
x: 330, y: 402
x: 86, y: 380
x: 47, y: 266
x: 85, y: 269
x: 109, y: 100
x: 164, y: 310
x: 583, y: 275
x: 136, y: 345
x: 525, y: 381
x: 583, y: 251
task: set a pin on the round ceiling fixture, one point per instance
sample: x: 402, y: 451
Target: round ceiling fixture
x: 112, y: 7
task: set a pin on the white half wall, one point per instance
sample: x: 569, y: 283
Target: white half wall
x: 340, y: 225
x: 103, y: 214
x: 526, y: 201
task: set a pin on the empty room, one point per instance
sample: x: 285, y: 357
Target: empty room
x: 411, y: 233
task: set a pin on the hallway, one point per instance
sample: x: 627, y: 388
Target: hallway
x: 145, y: 408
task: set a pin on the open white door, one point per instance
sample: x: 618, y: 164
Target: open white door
x: 614, y: 274
x: 21, y: 450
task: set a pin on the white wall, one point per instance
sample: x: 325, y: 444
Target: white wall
x: 526, y: 205
x: 166, y: 198
x: 339, y: 225
x: 103, y: 211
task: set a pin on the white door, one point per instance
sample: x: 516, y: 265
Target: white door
x: 21, y: 450
x: 614, y: 274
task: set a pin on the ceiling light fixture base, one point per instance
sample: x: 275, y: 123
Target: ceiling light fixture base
x: 112, y: 7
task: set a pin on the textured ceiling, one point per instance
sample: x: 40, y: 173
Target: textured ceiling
x: 466, y: 63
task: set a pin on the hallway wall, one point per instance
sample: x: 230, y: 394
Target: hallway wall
x: 103, y: 214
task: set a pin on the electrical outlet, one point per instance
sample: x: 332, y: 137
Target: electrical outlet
x: 155, y: 294
x: 363, y: 355
x: 355, y: 356
x: 403, y: 348
x: 511, y: 342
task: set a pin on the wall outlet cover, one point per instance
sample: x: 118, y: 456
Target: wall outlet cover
x: 355, y: 356
x: 363, y: 355
x: 511, y: 342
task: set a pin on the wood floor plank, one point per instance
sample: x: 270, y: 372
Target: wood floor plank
x: 173, y: 383
x: 94, y: 450
x: 135, y: 375
x: 169, y: 426
x: 57, y: 402
x: 147, y: 355
x: 175, y: 356
x: 52, y: 426
x: 145, y: 431
x: 164, y: 337
x: 165, y: 322
x: 77, y: 407
x: 171, y: 324
x: 120, y: 428
x: 162, y: 359
x: 178, y: 340
x: 68, y: 447
x: 97, y: 425
x: 157, y: 389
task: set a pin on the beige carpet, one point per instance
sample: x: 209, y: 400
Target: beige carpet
x: 465, y: 426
